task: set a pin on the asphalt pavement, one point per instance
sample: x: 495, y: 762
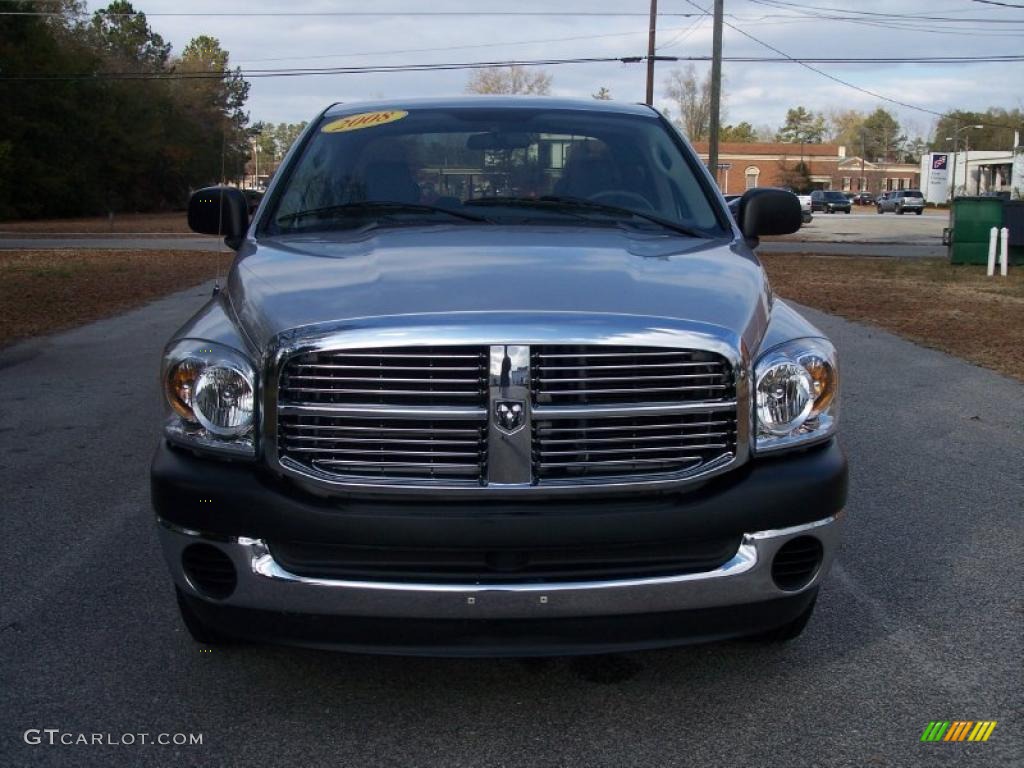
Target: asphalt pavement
x: 922, y: 619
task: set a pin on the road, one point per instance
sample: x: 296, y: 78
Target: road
x: 921, y: 620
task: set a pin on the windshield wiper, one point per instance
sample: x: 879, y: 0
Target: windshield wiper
x: 555, y: 202
x: 385, y: 206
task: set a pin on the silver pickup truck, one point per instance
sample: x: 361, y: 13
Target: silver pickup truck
x: 496, y: 376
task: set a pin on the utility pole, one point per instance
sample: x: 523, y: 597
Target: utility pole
x: 716, y: 87
x: 862, y: 182
x: 652, y: 34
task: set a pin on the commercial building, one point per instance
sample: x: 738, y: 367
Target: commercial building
x: 975, y: 172
x: 815, y: 166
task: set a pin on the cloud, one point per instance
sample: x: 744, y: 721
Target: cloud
x: 757, y: 93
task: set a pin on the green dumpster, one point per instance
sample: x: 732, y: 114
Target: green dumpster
x: 973, y: 219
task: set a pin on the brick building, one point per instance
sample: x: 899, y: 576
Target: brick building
x: 827, y: 166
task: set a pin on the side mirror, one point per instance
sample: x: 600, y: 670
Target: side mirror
x: 765, y: 211
x: 219, y: 211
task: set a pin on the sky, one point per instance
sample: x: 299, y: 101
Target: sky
x: 759, y: 93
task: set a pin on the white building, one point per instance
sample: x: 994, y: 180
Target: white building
x: 976, y: 172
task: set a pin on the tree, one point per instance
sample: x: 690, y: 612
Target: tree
x: 843, y: 127
x: 692, y: 97
x: 509, y: 80
x: 796, y: 176
x: 996, y: 133
x: 124, y: 35
x: 802, y: 126
x: 603, y: 94
x: 882, y: 137
x: 742, y: 132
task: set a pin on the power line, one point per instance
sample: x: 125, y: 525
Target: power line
x: 781, y: 4
x: 247, y: 14
x: 430, y: 67
x: 993, y: 2
x: 494, y: 44
x: 822, y: 72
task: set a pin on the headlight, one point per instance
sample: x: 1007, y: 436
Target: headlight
x: 797, y: 394
x: 211, y: 391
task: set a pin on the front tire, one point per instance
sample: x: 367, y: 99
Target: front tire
x: 918, y: 213
x: 899, y: 211
x: 847, y: 211
x: 201, y: 632
x: 879, y: 210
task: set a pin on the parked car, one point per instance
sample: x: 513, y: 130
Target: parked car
x: 829, y: 201
x: 805, y: 204
x: 863, y: 198
x: 901, y: 201
x: 253, y: 198
x: 570, y: 418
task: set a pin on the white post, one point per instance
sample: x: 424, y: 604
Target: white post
x: 993, y: 236
x: 1004, y: 250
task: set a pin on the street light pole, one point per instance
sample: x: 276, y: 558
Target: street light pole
x: 955, y: 138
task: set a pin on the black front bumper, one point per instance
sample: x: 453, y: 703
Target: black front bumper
x: 504, y: 637
x: 235, y: 499
x: 241, y: 511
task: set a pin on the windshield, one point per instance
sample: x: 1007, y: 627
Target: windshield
x: 835, y: 196
x: 480, y: 167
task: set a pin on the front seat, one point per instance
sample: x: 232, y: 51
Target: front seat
x: 587, y: 172
x: 391, y: 182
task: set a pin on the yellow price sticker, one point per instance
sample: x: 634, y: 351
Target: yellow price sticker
x: 364, y: 120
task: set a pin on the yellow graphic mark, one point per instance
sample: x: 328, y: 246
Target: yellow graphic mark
x: 982, y: 730
x: 363, y: 120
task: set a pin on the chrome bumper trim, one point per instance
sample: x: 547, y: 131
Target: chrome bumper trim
x: 264, y: 584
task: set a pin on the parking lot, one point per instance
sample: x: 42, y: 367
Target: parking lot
x: 920, y: 620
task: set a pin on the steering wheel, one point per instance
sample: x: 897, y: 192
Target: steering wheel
x: 623, y: 198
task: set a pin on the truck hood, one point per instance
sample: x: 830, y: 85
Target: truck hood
x: 280, y: 284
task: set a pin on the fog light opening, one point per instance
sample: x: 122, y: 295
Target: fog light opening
x: 209, y: 570
x: 796, y: 563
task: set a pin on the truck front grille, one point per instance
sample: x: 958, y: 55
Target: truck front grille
x: 438, y: 416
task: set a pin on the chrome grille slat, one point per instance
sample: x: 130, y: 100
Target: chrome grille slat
x: 635, y: 391
x: 328, y: 452
x: 647, y: 353
x: 646, y: 366
x: 373, y: 379
x: 628, y: 439
x: 391, y: 430
x: 611, y: 451
x: 330, y: 367
x: 542, y: 380
x: 618, y: 463
x: 373, y: 441
x: 382, y: 392
x: 560, y: 430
